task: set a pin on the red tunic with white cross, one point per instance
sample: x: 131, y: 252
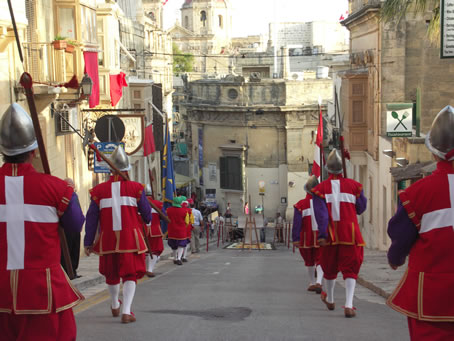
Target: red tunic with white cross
x: 426, y: 290
x: 120, y: 226
x: 32, y: 280
x: 153, y: 230
x: 340, y: 195
x: 309, y: 227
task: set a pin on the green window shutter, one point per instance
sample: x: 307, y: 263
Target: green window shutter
x: 223, y: 165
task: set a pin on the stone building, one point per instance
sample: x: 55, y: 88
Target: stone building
x: 243, y: 132
x: 205, y: 32
x: 389, y: 62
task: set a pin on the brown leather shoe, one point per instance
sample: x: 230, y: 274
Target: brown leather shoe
x: 150, y: 274
x: 349, y: 312
x: 318, y: 288
x: 330, y: 306
x: 116, y: 311
x: 126, y: 318
x: 312, y: 287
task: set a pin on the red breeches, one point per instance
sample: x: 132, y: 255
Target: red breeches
x: 156, y: 245
x: 344, y: 258
x: 433, y: 331
x: 125, y: 266
x: 41, y: 327
x: 311, y: 256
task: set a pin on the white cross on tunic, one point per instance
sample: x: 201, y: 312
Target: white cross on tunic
x: 310, y: 212
x: 336, y: 197
x: 116, y: 202
x: 440, y: 218
x: 15, y: 213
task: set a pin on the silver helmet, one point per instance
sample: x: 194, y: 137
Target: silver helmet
x: 120, y: 159
x: 311, y: 183
x: 148, y: 190
x: 17, y: 134
x: 440, y: 138
x: 334, y: 163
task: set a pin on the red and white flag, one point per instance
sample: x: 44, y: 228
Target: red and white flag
x: 318, y: 145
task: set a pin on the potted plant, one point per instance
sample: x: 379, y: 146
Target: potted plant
x: 59, y: 43
x: 70, y: 46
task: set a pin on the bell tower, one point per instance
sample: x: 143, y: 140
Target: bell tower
x: 153, y: 10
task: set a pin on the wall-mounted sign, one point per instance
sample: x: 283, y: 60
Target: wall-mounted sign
x: 261, y: 187
x: 447, y: 29
x: 106, y: 148
x: 399, y: 119
x: 134, y: 132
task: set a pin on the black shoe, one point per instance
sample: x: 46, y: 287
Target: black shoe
x: 184, y: 260
x: 175, y: 261
x: 179, y: 262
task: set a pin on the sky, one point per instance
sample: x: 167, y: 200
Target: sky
x: 252, y: 17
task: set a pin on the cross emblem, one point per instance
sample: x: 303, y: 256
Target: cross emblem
x: 336, y: 197
x: 15, y: 213
x: 310, y: 212
x: 116, y: 202
x: 440, y: 218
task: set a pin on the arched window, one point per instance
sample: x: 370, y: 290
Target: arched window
x: 203, y: 18
x: 186, y: 22
x: 221, y: 24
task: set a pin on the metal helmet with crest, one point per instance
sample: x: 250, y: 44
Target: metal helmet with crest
x: 440, y: 138
x: 17, y: 135
x: 120, y: 159
x: 334, y: 162
x: 311, y: 183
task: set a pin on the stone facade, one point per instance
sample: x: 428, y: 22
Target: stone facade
x: 268, y: 125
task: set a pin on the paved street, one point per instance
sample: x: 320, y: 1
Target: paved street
x: 238, y: 295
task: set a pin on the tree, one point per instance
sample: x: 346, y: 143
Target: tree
x: 397, y: 9
x: 182, y: 62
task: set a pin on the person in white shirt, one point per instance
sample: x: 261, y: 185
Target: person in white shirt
x: 198, y: 222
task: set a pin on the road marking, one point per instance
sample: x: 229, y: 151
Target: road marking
x: 216, y: 273
x: 228, y: 263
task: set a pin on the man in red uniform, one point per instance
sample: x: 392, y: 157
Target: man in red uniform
x: 337, y: 201
x: 36, y: 297
x: 154, y: 236
x: 305, y: 235
x: 116, y: 205
x: 423, y: 228
x: 177, y: 228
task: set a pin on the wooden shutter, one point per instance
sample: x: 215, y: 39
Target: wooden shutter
x: 222, y: 167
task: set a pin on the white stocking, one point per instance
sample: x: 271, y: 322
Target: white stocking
x: 311, y: 272
x: 185, y: 253
x: 174, y: 254
x: 114, y: 291
x: 350, y: 284
x: 180, y: 252
x: 151, y: 262
x: 319, y: 274
x: 129, y: 289
x: 330, y: 283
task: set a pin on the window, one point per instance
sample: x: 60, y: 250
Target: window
x: 137, y: 94
x: 186, y: 22
x: 203, y: 18
x: 88, y: 25
x: 230, y: 169
x: 66, y: 23
x: 101, y: 60
x: 221, y: 24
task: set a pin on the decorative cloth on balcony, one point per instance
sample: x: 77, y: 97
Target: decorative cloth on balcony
x: 91, y: 67
x: 149, y: 145
x: 117, y: 82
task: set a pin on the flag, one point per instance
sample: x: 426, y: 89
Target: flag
x: 168, y: 176
x: 316, y: 167
x: 148, y: 145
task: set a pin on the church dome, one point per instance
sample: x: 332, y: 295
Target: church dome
x: 188, y: 3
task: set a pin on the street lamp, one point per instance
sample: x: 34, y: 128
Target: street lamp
x: 86, y: 86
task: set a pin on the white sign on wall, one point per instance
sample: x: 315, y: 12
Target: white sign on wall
x: 399, y: 119
x: 447, y: 29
